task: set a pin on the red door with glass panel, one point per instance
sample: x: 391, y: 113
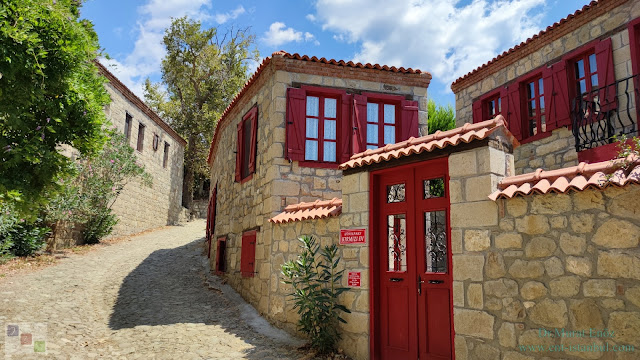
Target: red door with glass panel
x: 411, y: 316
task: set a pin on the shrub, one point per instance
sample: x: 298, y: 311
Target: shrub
x: 99, y: 226
x: 315, y: 281
x: 25, y: 239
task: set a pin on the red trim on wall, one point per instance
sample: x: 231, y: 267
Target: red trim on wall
x: 601, y: 153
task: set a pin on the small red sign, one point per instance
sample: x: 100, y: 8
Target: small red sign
x: 354, y: 279
x: 352, y: 236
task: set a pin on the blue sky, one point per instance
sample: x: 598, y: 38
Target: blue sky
x: 448, y: 38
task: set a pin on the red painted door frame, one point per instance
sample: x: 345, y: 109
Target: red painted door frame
x: 424, y: 170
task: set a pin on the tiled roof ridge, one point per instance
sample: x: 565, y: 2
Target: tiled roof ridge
x: 584, y: 169
x: 314, y: 205
x: 540, y: 36
x: 138, y: 102
x: 297, y: 56
x: 318, y: 209
x: 438, y: 140
x: 438, y: 135
x: 577, y: 178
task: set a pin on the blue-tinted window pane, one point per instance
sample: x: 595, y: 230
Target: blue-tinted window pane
x: 329, y: 151
x: 372, y: 134
x: 579, y: 69
x: 330, y: 108
x: 311, y: 150
x: 593, y: 66
x: 389, y: 114
x: 312, y: 128
x: 372, y: 147
x: 491, y: 107
x: 531, y: 91
x: 582, y: 87
x: 313, y: 105
x: 330, y: 129
x: 389, y: 134
x: 372, y: 113
x: 594, y: 80
x: 540, y: 87
x: 542, y: 104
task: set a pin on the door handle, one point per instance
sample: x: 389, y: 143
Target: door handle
x: 420, y: 281
x: 436, y: 281
x: 396, y: 279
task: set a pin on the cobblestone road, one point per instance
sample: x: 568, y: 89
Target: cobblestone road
x: 147, y: 298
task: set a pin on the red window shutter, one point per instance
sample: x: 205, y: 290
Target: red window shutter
x: 409, y: 123
x: 294, y: 143
x: 208, y: 227
x: 606, y: 76
x: 214, y: 204
x: 248, y: 254
x: 359, y: 120
x: 239, y: 153
x: 344, y: 135
x: 504, y: 102
x: 549, y: 99
x: 514, y: 116
x: 254, y: 140
x: 560, y: 112
x: 477, y: 111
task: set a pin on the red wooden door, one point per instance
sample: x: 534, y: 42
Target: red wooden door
x: 413, y: 278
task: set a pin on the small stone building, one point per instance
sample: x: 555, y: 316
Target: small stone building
x: 455, y: 244
x: 159, y: 148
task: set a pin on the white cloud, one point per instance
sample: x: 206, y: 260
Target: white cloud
x: 146, y: 57
x: 439, y: 36
x: 232, y: 15
x: 311, y: 17
x: 279, y: 34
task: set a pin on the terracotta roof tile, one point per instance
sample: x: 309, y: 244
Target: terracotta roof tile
x: 297, y: 56
x: 428, y: 143
x: 576, y: 178
x: 310, y: 210
x: 594, y: 8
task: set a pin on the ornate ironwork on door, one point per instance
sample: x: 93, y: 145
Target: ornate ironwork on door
x: 395, y: 193
x: 397, y: 242
x: 435, y: 229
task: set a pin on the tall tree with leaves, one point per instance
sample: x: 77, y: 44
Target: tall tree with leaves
x: 440, y: 117
x: 202, y: 72
x: 50, y: 93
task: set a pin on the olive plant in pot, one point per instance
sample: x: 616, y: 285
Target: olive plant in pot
x: 315, y: 281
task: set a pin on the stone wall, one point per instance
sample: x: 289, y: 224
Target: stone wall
x: 544, y: 262
x: 138, y: 207
x: 610, y: 24
x: 277, y: 183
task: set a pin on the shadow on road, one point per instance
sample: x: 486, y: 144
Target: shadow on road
x: 168, y: 288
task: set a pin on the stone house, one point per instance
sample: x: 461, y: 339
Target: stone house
x: 455, y: 244
x: 159, y: 148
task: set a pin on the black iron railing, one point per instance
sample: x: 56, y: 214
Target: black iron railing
x: 605, y: 112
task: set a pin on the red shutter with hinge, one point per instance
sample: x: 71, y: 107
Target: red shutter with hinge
x: 295, y: 122
x: 549, y: 100
x: 514, y: 116
x: 239, y: 153
x: 254, y: 140
x: 359, y: 120
x: 504, y: 102
x: 561, y: 110
x: 346, y: 130
x: 248, y: 253
x: 409, y: 123
x: 606, y: 76
x: 477, y: 111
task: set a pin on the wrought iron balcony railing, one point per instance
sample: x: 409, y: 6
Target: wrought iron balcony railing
x: 601, y: 114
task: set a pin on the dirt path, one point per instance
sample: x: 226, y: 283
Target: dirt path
x: 147, y: 298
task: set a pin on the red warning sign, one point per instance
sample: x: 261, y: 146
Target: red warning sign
x: 352, y: 236
x: 354, y: 279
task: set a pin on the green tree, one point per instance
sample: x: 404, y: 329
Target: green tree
x: 50, y: 93
x: 202, y: 72
x: 440, y: 117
